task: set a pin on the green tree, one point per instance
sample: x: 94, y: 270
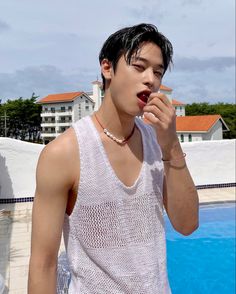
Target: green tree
x: 23, y: 118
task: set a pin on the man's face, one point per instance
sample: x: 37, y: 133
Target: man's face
x: 131, y: 84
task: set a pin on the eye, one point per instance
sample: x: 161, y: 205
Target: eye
x: 159, y: 74
x: 138, y: 66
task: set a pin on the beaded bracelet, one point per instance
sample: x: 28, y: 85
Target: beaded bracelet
x: 175, y: 159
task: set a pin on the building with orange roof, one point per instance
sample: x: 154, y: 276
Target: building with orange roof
x: 200, y: 127
x: 59, y: 111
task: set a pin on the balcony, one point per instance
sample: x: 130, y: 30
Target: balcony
x: 64, y: 122
x: 63, y: 112
x: 48, y: 131
x: 48, y: 134
x: 47, y: 123
x: 48, y: 113
x: 54, y: 112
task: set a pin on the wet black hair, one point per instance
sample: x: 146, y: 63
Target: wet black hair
x: 128, y: 41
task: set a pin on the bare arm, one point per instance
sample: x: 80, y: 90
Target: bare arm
x: 54, y: 178
x: 180, y: 195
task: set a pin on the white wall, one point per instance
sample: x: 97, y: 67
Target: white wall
x: 18, y: 162
x: 96, y: 96
x: 167, y: 93
x: 89, y: 103
x: 216, y: 132
x: 209, y: 162
x: 180, y: 110
x: 195, y: 136
x: 80, y: 107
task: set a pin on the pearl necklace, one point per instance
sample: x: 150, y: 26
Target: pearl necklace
x: 111, y: 136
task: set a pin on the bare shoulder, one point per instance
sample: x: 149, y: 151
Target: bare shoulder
x: 59, y: 159
x: 62, y: 146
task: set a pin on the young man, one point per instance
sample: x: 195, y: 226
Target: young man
x: 105, y: 180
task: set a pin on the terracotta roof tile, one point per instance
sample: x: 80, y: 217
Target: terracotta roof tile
x: 63, y: 97
x: 164, y: 88
x: 196, y: 123
x: 177, y: 103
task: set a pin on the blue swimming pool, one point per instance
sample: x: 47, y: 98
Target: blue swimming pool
x: 204, y: 262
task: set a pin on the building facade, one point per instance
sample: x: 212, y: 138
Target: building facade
x: 200, y: 128
x: 59, y: 111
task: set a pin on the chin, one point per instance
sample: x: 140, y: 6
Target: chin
x: 137, y: 112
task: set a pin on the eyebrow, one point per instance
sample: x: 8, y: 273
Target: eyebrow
x: 146, y: 61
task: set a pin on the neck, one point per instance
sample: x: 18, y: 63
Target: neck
x: 119, y: 124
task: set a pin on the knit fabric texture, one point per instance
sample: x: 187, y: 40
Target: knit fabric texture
x: 115, y: 237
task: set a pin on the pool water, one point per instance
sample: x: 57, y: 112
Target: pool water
x: 204, y: 262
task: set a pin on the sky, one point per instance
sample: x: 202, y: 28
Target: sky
x: 53, y: 46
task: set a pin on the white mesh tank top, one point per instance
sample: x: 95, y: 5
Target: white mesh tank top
x: 115, y: 238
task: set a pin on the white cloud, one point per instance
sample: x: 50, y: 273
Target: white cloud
x: 68, y: 36
x: 196, y: 64
x: 43, y: 80
x: 206, y: 85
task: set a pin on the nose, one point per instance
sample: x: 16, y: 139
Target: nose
x: 148, y: 78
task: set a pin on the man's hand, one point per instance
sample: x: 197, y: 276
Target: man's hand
x: 160, y: 113
x: 180, y: 196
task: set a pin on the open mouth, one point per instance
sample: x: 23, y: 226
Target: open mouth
x: 143, y: 96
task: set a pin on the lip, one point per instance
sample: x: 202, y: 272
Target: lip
x: 141, y: 103
x: 143, y: 97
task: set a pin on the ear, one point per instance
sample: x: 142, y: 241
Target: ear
x: 106, y: 69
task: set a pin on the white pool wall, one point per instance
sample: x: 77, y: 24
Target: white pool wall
x: 209, y: 162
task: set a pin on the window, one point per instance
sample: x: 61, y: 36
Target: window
x: 87, y: 107
x: 182, y: 138
x: 86, y: 101
x: 180, y: 108
x: 69, y: 107
x: 63, y: 109
x: 46, y: 109
x: 190, y: 137
x: 52, y: 109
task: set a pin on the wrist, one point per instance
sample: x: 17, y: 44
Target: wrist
x: 172, y: 151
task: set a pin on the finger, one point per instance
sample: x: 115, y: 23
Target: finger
x: 152, y: 119
x: 162, y: 97
x: 162, y: 116
x: 159, y: 104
